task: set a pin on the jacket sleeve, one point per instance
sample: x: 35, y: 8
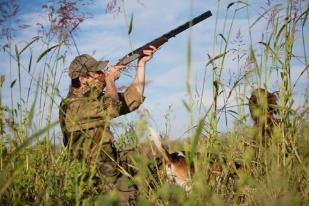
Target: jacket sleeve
x: 130, y: 100
x: 111, y: 107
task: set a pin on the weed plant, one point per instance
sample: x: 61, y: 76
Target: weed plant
x: 35, y: 169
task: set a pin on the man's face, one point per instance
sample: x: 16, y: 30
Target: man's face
x: 94, y: 79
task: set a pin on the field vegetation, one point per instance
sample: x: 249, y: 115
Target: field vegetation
x: 35, y: 168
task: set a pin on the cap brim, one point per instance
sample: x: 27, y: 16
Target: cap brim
x: 100, y: 65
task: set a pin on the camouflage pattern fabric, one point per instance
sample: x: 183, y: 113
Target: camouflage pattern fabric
x: 85, y: 123
x: 90, y: 115
x: 83, y: 64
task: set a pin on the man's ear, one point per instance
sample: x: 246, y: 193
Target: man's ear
x: 82, y: 79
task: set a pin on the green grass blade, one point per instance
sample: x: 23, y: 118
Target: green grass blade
x: 30, y: 63
x: 31, y: 112
x: 196, y: 138
x: 272, y: 51
x: 13, y: 83
x: 6, y: 177
x: 46, y: 51
x: 216, y: 58
x: 29, y: 44
x: 130, y: 25
x: 263, y: 14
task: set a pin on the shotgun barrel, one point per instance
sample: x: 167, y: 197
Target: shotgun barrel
x: 137, y: 53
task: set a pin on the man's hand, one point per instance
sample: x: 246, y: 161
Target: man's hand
x: 111, y: 75
x: 147, y: 54
x: 113, y: 72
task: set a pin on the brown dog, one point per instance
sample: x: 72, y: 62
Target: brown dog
x: 179, y: 172
x: 262, y: 105
x: 176, y: 165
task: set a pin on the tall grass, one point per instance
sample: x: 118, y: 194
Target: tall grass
x: 35, y: 169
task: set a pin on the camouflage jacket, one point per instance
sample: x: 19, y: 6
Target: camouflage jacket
x: 90, y: 115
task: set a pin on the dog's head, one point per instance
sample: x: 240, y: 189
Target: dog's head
x: 262, y: 104
x: 176, y: 168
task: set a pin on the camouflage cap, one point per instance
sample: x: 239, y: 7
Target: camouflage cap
x: 83, y: 64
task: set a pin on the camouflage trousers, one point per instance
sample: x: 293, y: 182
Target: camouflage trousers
x: 120, y: 173
x: 112, y: 169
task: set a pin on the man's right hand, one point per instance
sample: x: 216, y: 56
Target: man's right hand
x: 113, y: 72
x: 111, y: 75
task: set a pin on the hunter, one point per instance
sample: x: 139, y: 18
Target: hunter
x: 86, y: 113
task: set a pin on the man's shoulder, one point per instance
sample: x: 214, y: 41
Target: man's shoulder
x: 66, y: 101
x: 71, y: 103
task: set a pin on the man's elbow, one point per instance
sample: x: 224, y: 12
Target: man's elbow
x: 132, y: 98
x: 134, y: 105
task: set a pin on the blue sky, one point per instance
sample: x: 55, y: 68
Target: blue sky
x: 105, y: 36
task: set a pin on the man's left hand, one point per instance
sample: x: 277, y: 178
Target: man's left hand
x: 147, y: 54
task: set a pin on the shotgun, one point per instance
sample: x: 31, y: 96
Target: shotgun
x: 137, y: 53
